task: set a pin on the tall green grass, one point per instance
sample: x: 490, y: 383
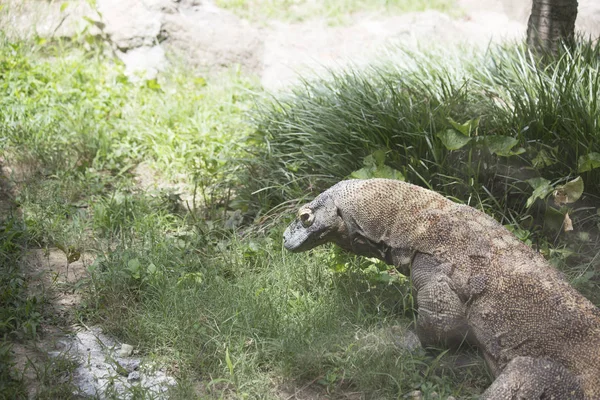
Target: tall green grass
x: 523, y: 119
x: 69, y: 110
x: 499, y: 130
x: 246, y: 318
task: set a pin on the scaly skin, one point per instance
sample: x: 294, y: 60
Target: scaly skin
x: 474, y: 280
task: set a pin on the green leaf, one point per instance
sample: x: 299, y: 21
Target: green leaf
x: 64, y: 6
x: 382, y: 171
x: 152, y: 84
x: 228, y: 361
x: 363, y: 173
x: 133, y: 265
x: 543, y: 159
x: 387, y: 172
x: 541, y: 188
x: 200, y: 81
x: 195, y: 277
x: 453, y: 140
x: 570, y: 192
x: 369, y: 161
x: 584, y: 278
x: 374, y: 167
x: 588, y: 162
x: 467, y: 128
x: 379, y: 157
x: 553, y: 219
x: 501, y: 145
x: 151, y: 269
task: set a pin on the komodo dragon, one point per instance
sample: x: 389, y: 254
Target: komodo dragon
x: 474, y: 281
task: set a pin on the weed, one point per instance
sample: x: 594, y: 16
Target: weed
x: 476, y: 127
x: 54, y: 377
x: 11, y: 386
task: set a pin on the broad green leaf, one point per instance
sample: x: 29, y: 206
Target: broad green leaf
x: 467, y: 128
x: 554, y: 219
x: 382, y: 171
x: 374, y: 167
x: 200, y: 81
x: 453, y: 140
x: 151, y: 269
x: 152, y: 84
x: 133, y: 265
x: 379, y: 157
x: 501, y: 145
x: 196, y: 277
x: 387, y: 172
x: 369, y: 161
x: 363, y: 173
x: 588, y: 162
x: 583, y: 279
x: 570, y: 192
x: 543, y: 159
x: 541, y: 188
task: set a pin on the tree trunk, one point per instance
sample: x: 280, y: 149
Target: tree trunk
x: 550, y: 23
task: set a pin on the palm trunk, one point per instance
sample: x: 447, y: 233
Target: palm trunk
x: 550, y: 23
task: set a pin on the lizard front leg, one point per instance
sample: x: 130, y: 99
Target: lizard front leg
x: 441, y: 313
x: 532, y: 379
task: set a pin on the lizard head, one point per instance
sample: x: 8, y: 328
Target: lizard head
x: 315, y: 224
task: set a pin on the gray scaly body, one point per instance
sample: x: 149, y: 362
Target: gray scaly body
x: 474, y: 281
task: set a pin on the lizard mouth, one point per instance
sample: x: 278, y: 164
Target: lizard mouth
x: 295, y: 236
x: 298, y: 238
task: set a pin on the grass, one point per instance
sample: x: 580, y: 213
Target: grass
x: 498, y: 130
x: 476, y: 127
x: 334, y: 11
x: 220, y: 304
x: 266, y: 316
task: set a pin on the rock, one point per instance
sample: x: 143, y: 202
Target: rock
x: 129, y: 23
x: 126, y: 350
x: 450, y: 398
x: 134, y: 376
x: 415, y: 395
x: 99, y: 372
x: 405, y: 339
x: 165, y: 6
x: 213, y: 38
x: 143, y: 62
x: 19, y: 19
x: 130, y: 364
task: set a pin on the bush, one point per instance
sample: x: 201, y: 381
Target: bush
x: 475, y: 127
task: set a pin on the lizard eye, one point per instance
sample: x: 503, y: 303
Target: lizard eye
x: 306, y: 217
